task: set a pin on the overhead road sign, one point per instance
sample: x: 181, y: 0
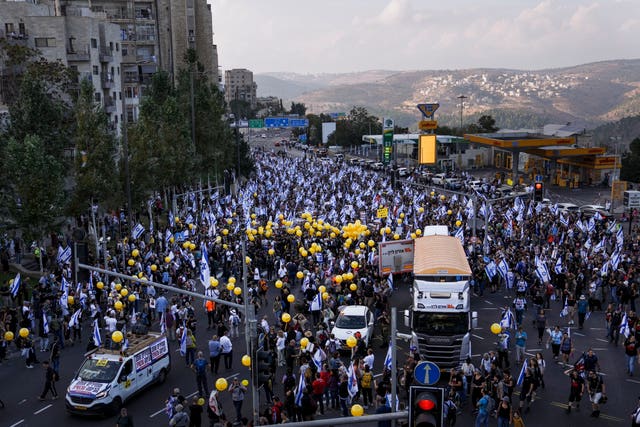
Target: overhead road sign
x: 427, y: 124
x: 276, y: 122
x: 299, y: 123
x: 426, y: 373
x: 428, y: 109
x: 256, y: 123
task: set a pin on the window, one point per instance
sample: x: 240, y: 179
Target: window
x: 45, y: 42
x: 8, y: 28
x: 94, y: 43
x: 21, y: 29
x: 97, y: 96
x: 117, y: 47
x: 96, y: 70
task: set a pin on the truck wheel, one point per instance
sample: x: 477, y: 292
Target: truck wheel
x: 114, y: 409
x: 162, y: 376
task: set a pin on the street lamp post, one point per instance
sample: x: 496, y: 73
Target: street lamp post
x: 461, y: 98
x: 614, y: 177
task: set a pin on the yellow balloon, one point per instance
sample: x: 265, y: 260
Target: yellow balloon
x: 354, y: 264
x: 230, y: 286
x: 413, y: 235
x: 322, y: 289
x: 357, y: 410
x: 100, y: 285
x: 442, y: 197
x: 154, y: 267
x: 225, y: 231
x: 8, y: 336
x: 232, y: 280
x: 23, y: 332
x: 229, y: 221
x: 304, y: 342
x: 171, y: 240
x: 117, y: 336
x: 353, y: 287
x: 124, y: 292
x: 135, y: 253
x: 192, y: 246
x: 286, y: 317
x: 271, y: 251
x: 418, y: 232
x: 396, y: 236
x: 371, y: 243
x: 245, y: 383
x: 132, y: 298
x: 352, y: 341
x: 131, y: 263
x: 278, y: 284
x: 167, y: 259
x: 299, y: 274
x: 291, y: 298
x: 118, y: 305
x: 118, y: 286
x: 458, y: 223
x: 191, y: 226
x: 362, y: 245
x: 185, y: 245
x: 338, y: 279
x: 496, y: 328
x: 246, y: 360
x: 221, y: 384
x: 325, y: 295
x: 201, y: 401
x: 213, y: 281
x: 449, y: 212
x: 237, y: 291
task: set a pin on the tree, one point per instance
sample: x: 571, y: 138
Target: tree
x: 630, y: 162
x: 357, y: 123
x: 487, y: 124
x: 38, y: 182
x: 95, y: 165
x: 298, y: 108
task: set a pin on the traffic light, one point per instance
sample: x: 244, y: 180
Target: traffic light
x: 263, y: 367
x: 426, y: 406
x: 538, y: 190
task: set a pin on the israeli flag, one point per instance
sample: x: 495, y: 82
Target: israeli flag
x: 624, y: 327
x: 163, y: 325
x: 503, y: 268
x: 619, y: 237
x: 591, y: 226
x: 97, y: 340
x: 564, y: 221
x: 390, y: 281
x: 600, y: 246
x: 491, y: 270
x: 615, y: 260
x: 460, y: 235
x: 45, y: 323
x: 316, y: 303
x: 137, y: 231
x: 508, y: 320
x: 299, y: 390
x: 558, y: 267
x: 388, y: 359
x: 318, y: 357
x: 353, y: 381
x: 64, y: 255
x: 15, y: 286
x: 523, y: 371
x: 172, y: 220
x: 183, y: 342
x: 205, y: 272
x: 167, y: 236
x: 75, y: 318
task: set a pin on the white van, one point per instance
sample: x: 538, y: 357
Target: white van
x: 108, y: 378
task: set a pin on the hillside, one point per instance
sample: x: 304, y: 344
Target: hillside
x: 589, y: 94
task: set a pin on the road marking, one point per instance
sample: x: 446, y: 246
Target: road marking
x: 478, y: 336
x: 612, y: 418
x: 597, y: 329
x: 578, y: 333
x: 476, y: 355
x: 633, y: 381
x: 559, y: 405
x: 488, y: 302
x: 43, y: 409
x: 601, y: 340
x: 22, y: 401
x: 599, y: 348
x: 17, y: 424
x: 489, y: 308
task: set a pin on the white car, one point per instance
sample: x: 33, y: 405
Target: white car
x: 439, y: 179
x: 568, y: 207
x: 350, y: 320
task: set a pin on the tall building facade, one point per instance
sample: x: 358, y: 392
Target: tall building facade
x: 239, y: 84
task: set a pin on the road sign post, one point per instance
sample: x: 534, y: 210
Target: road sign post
x: 427, y: 110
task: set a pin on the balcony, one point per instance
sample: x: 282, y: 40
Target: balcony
x: 13, y: 38
x: 109, y: 105
x: 105, y: 54
x: 78, y: 56
x: 107, y: 82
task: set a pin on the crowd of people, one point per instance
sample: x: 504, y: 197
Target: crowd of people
x: 311, y: 228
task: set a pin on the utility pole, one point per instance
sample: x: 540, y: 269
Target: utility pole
x: 461, y: 98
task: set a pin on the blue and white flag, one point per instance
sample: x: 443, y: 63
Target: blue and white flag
x: 137, y: 231
x: 318, y: 357
x: 163, y: 324
x: 45, y: 323
x: 167, y: 236
x: 390, y: 281
x: 183, y: 342
x: 523, y: 371
x: 15, y: 286
x: 558, y: 267
x: 615, y: 260
x: 316, y: 303
x: 619, y: 237
x: 64, y: 255
x: 75, y: 318
x: 97, y: 340
x: 459, y: 234
x: 624, y: 326
x: 64, y: 286
x: 503, y: 268
x: 388, y: 359
x: 508, y: 320
x: 205, y: 272
x: 300, y: 390
x: 172, y: 220
x: 169, y: 407
x: 564, y: 221
x: 591, y: 225
x: 353, y: 381
x: 491, y: 270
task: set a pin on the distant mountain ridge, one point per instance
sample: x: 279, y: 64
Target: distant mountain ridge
x: 588, y: 94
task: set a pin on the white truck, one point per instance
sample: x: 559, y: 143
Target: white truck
x: 108, y: 378
x: 440, y: 317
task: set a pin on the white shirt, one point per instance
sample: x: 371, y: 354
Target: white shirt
x: 265, y: 325
x: 281, y: 343
x: 368, y: 360
x: 110, y: 323
x: 225, y: 344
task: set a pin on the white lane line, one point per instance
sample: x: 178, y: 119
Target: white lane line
x: 488, y: 302
x: 17, y: 424
x: 601, y: 340
x: 633, y: 381
x: 478, y: 336
x: 578, y: 333
x: 599, y: 348
x: 186, y: 397
x: 22, y: 401
x: 597, y: 329
x: 43, y: 409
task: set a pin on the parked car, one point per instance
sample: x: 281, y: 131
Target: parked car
x: 438, y: 179
x: 403, y: 172
x: 568, y: 207
x: 353, y: 319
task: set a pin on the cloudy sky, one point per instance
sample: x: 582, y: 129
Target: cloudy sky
x: 315, y: 36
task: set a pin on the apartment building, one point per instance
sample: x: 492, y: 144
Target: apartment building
x: 85, y: 43
x: 239, y: 84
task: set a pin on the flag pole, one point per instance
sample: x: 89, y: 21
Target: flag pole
x: 394, y: 375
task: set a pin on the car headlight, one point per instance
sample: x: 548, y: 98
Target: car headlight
x: 103, y: 393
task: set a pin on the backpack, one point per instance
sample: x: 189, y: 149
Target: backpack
x: 366, y: 380
x: 491, y: 404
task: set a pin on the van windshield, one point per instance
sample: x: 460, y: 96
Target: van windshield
x: 99, y: 370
